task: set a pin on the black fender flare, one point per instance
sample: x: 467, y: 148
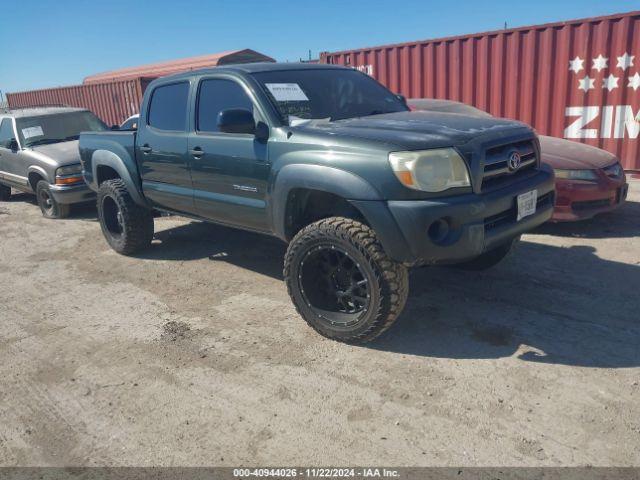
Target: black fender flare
x: 107, y: 158
x: 353, y: 188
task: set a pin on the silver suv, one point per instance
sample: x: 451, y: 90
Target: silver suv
x: 39, y: 154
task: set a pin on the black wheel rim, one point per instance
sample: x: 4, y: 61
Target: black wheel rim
x: 46, y: 202
x: 334, y: 286
x: 112, y: 217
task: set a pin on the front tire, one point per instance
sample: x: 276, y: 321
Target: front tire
x: 127, y: 227
x: 5, y: 193
x: 491, y: 258
x: 342, y: 282
x: 48, y: 205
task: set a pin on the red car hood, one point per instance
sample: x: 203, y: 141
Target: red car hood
x: 565, y: 154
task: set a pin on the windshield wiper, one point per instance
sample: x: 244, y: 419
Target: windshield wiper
x: 72, y: 137
x: 44, y: 141
x: 377, y: 112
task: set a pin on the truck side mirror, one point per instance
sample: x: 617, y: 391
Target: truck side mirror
x: 236, y: 120
x: 262, y: 132
x: 12, y: 145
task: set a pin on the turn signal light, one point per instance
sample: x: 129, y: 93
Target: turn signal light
x: 68, y: 180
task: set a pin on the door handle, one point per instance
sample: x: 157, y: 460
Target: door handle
x: 145, y: 149
x: 196, y: 152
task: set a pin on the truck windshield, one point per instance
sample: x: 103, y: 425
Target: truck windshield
x: 333, y: 94
x: 59, y: 127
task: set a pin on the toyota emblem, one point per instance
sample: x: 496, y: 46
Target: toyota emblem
x: 514, y: 161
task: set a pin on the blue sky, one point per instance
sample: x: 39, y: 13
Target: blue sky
x: 52, y: 43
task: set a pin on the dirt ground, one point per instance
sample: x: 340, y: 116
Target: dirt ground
x: 192, y: 354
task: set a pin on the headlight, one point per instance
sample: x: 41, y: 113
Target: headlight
x: 430, y: 170
x: 69, y: 170
x: 69, y: 175
x: 614, y: 171
x: 576, y: 174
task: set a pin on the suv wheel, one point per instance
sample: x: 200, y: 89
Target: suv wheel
x: 490, y: 258
x: 342, y: 282
x: 5, y: 193
x: 127, y: 226
x: 50, y: 208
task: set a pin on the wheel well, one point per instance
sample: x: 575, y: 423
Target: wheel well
x: 34, y: 178
x: 305, y: 206
x: 104, y: 173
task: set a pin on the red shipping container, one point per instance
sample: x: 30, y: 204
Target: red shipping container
x: 578, y: 79
x: 113, y: 102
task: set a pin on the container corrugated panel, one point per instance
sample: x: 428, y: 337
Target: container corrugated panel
x: 578, y: 80
x: 113, y: 102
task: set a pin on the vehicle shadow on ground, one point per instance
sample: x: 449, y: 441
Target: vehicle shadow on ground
x: 546, y: 303
x: 199, y: 240
x: 84, y: 211
x: 621, y: 223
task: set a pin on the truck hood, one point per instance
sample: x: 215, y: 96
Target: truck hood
x: 569, y: 155
x: 60, y: 154
x: 416, y: 130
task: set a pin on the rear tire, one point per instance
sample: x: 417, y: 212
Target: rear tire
x: 342, y: 282
x: 491, y: 258
x: 127, y: 227
x: 5, y: 193
x: 48, y: 205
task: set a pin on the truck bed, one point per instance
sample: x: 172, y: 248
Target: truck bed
x: 107, y: 144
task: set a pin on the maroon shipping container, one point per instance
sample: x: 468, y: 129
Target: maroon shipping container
x: 578, y: 80
x: 113, y: 102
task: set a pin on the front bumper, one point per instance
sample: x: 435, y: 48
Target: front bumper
x: 67, y: 194
x: 476, y: 222
x: 580, y: 200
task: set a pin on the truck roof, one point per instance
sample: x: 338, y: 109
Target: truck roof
x: 256, y: 67
x: 38, y: 111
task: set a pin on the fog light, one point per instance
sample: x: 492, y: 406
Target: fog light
x: 439, y: 230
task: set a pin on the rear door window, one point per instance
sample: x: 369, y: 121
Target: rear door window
x: 168, y: 108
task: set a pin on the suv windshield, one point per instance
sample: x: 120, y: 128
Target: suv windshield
x: 59, y: 127
x: 333, y: 94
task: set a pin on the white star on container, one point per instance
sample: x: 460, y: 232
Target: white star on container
x: 610, y: 82
x: 634, y: 82
x: 600, y: 63
x: 625, y: 61
x: 586, y: 83
x: 576, y: 64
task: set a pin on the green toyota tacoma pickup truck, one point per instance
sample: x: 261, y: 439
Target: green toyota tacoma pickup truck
x: 334, y: 164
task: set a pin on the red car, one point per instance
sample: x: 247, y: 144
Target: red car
x: 589, y: 180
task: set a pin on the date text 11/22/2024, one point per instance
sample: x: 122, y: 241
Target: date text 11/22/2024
x: 316, y: 472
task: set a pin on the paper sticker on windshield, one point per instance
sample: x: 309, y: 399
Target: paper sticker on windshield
x: 32, y: 132
x: 287, y: 92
